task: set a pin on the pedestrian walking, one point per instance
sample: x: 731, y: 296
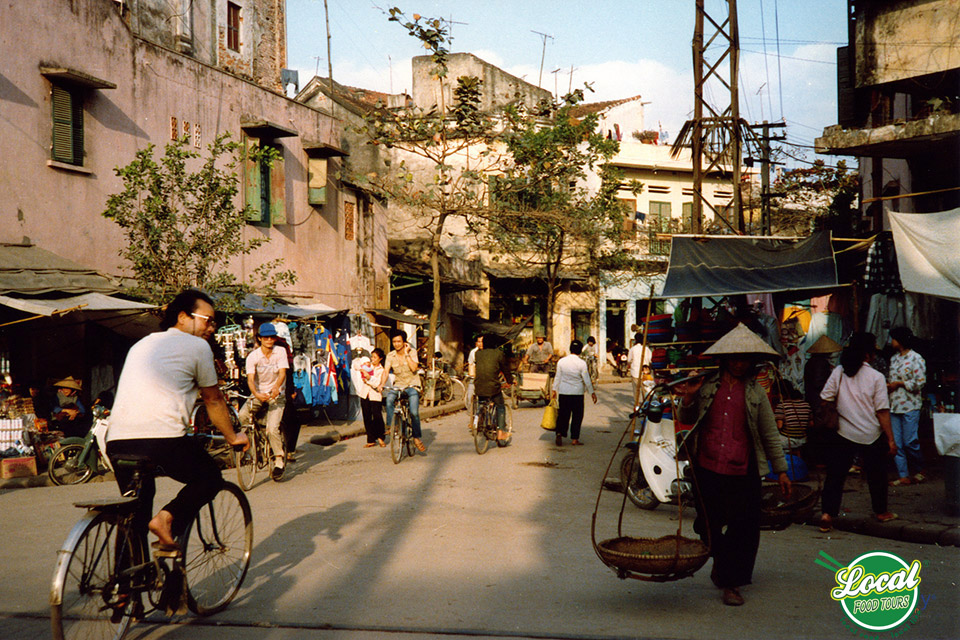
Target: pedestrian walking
x: 905, y: 380
x: 864, y: 427
x: 571, y: 381
x: 733, y: 437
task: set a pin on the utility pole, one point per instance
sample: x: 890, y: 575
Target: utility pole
x: 766, y: 219
x: 716, y: 139
x: 326, y: 16
x: 543, y: 53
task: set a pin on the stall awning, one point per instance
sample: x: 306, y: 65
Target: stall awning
x: 256, y: 305
x: 730, y: 265
x: 85, y: 302
x: 927, y: 256
x: 396, y: 316
x: 507, y: 332
x: 28, y: 270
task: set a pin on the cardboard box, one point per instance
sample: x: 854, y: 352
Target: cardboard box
x: 18, y: 467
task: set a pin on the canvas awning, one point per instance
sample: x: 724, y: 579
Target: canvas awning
x: 927, y: 256
x: 730, y: 265
x: 85, y: 302
x: 396, y: 316
x: 28, y: 270
x: 507, y: 332
x: 255, y: 304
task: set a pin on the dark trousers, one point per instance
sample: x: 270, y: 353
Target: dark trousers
x: 728, y: 519
x: 372, y: 411
x: 874, y: 460
x: 570, y: 410
x: 182, y: 459
x: 501, y: 409
x: 290, y: 424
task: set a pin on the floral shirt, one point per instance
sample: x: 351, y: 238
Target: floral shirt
x: 910, y: 369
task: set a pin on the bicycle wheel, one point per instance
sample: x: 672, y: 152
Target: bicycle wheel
x: 247, y: 462
x: 216, y: 551
x: 87, y: 601
x: 65, y: 468
x: 480, y: 441
x: 396, y: 440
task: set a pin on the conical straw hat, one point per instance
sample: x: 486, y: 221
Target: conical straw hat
x: 825, y: 345
x: 740, y: 341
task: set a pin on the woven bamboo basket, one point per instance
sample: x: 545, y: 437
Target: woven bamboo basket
x: 667, y: 555
x: 778, y: 512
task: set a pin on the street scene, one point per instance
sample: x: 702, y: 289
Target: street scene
x: 455, y: 544
x: 479, y: 319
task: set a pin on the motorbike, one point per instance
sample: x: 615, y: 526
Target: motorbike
x: 77, y: 460
x: 650, y: 472
x: 623, y: 368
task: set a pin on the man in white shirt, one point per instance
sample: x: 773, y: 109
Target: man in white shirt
x: 155, y: 398
x: 569, y: 384
x: 638, y: 356
x: 267, y: 377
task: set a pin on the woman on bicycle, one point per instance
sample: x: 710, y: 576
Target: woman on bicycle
x: 402, y: 361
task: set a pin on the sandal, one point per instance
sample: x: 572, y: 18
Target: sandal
x: 886, y: 517
x: 418, y: 443
x: 370, y: 444
x: 826, y: 523
x: 381, y: 442
x: 900, y: 482
x: 919, y: 477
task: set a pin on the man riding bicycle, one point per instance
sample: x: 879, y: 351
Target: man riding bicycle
x: 151, y: 415
x: 402, y: 361
x: 267, y: 376
x: 490, y: 364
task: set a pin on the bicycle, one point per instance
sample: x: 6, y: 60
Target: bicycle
x: 401, y: 432
x: 103, y: 571
x: 445, y: 386
x: 248, y: 463
x: 484, y: 424
x: 78, y: 460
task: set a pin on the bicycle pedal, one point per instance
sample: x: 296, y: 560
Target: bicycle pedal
x: 160, y: 551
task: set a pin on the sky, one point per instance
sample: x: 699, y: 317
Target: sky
x: 623, y: 48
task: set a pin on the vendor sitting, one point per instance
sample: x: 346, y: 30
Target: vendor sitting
x: 69, y: 415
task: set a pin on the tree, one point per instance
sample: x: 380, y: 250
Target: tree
x: 545, y: 215
x: 818, y: 197
x: 457, y: 145
x: 183, y: 226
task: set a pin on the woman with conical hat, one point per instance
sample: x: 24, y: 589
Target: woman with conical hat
x: 734, y: 435
x: 816, y: 371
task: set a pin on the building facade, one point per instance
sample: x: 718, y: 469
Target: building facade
x: 94, y: 81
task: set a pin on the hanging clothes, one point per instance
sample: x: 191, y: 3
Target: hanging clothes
x: 301, y: 378
x: 882, y: 274
x: 886, y: 312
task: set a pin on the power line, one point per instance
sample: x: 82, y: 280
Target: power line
x: 776, y: 22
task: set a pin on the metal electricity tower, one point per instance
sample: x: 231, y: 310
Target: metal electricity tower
x: 716, y: 133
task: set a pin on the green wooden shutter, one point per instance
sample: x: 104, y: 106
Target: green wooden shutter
x: 317, y: 181
x: 252, y: 183
x: 278, y: 191
x: 67, y: 126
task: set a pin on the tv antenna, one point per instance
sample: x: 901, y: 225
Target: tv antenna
x: 543, y: 53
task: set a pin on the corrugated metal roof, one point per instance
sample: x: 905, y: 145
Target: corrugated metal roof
x: 28, y: 270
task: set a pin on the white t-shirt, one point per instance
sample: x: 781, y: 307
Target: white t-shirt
x: 266, y: 369
x: 159, y: 384
x: 637, y: 357
x: 858, y: 400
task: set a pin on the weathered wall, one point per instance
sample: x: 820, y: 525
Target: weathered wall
x: 499, y: 87
x: 60, y: 208
x: 899, y: 40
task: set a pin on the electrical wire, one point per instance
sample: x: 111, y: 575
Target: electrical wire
x: 766, y: 66
x: 776, y: 22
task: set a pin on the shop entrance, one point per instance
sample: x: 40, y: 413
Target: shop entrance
x: 580, y: 323
x: 616, y: 319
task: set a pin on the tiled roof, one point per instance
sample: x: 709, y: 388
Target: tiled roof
x: 589, y: 108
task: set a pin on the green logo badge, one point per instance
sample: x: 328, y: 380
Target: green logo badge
x: 878, y: 590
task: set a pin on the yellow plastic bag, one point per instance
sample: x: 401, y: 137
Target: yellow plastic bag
x: 549, y: 421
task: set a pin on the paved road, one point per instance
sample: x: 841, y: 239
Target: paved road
x: 455, y: 544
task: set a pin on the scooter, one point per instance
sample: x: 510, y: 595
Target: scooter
x: 623, y: 368
x: 650, y: 472
x: 77, y: 460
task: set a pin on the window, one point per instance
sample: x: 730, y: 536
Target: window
x: 265, y: 187
x: 67, y: 124
x: 687, y: 217
x: 658, y: 222
x: 349, y: 213
x: 233, y: 27
x: 629, y: 217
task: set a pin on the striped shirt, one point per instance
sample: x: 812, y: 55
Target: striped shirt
x: 796, y: 415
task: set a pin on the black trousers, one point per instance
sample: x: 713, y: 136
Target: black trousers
x: 290, y: 424
x: 728, y: 519
x: 182, y: 459
x: 839, y: 456
x: 372, y: 411
x: 570, y: 411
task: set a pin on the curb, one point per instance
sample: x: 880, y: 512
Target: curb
x: 902, y: 530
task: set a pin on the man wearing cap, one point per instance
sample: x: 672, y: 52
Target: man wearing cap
x: 734, y: 435
x: 69, y: 415
x: 538, y: 355
x: 267, y: 376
